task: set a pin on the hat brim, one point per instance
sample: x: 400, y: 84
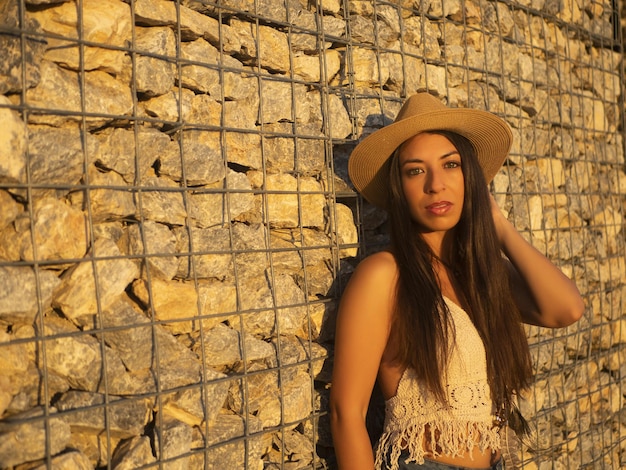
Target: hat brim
x: 368, y: 163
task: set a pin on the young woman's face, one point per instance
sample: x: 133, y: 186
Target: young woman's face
x: 432, y: 181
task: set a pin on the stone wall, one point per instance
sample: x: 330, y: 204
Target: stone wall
x: 177, y: 223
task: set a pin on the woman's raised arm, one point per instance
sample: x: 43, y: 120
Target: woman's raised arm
x: 545, y: 296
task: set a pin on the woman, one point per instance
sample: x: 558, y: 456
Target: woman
x: 436, y: 319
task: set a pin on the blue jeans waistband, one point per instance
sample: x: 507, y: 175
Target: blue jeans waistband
x: 433, y: 465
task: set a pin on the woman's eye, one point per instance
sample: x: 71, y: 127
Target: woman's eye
x: 452, y: 164
x: 414, y: 171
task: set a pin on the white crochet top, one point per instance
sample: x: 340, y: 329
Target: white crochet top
x: 414, y: 416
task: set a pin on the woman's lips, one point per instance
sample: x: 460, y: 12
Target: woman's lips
x: 439, y: 208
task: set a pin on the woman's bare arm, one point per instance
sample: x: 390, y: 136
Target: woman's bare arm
x: 545, y: 296
x: 362, y: 330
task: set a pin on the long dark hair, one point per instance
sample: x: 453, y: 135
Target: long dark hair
x: 421, y: 324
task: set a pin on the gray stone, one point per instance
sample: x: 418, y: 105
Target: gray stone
x: 152, y: 238
x: 20, y: 288
x: 31, y: 428
x: 57, y: 156
x: 129, y: 153
x: 199, y: 163
x: 92, y: 413
x: 108, y: 200
x: 19, y: 54
x: 213, y: 260
x: 59, y: 90
x: 223, y: 346
x: 212, y: 207
x: 235, y: 454
x: 173, y: 439
x: 155, y: 69
x: 161, y: 200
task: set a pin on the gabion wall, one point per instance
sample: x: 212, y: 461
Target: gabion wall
x: 177, y: 224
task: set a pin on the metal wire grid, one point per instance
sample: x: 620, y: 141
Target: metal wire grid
x: 139, y: 190
x: 389, y: 100
x: 561, y: 407
x: 584, y: 426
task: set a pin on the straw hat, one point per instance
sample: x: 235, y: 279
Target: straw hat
x: 368, y: 165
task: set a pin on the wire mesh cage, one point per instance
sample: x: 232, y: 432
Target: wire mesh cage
x: 177, y: 221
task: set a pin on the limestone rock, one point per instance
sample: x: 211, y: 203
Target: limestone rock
x: 173, y: 439
x: 101, y: 21
x: 18, y: 294
x: 202, y: 164
x: 133, y: 453
x: 155, y: 75
x: 223, y: 345
x: 174, y: 303
x: 131, y: 154
x: 79, y: 359
x: 77, y: 294
x: 124, y: 417
x: 212, y: 208
x: 13, y: 153
x: 58, y: 90
x: 33, y: 431
x: 171, y: 106
x: 212, y: 260
x: 285, y: 208
x: 10, y: 209
x: 14, y: 63
x: 59, y: 232
x: 345, y: 229
x: 199, y: 405
x: 73, y: 459
x: 152, y: 237
x: 57, y: 156
x: 235, y: 454
x: 162, y: 201
x: 163, y: 13
x: 109, y: 200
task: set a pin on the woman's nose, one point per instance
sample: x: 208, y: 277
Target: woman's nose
x: 434, y: 182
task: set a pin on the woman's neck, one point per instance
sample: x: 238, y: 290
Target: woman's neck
x: 439, y: 243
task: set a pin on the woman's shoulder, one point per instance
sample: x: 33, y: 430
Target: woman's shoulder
x: 371, y: 289
x: 379, y: 266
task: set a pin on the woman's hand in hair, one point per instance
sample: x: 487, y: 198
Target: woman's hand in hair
x: 543, y: 293
x: 499, y: 219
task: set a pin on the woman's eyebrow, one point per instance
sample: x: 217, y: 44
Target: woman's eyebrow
x: 442, y: 157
